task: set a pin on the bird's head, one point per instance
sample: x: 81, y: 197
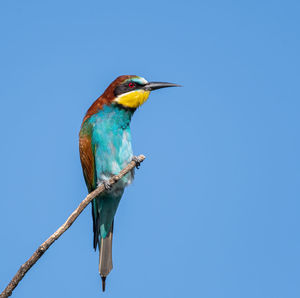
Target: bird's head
x: 132, y: 91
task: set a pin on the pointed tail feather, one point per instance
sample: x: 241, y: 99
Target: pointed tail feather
x: 103, y: 283
x: 105, y: 256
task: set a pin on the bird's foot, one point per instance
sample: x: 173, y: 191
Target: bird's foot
x: 107, y: 185
x: 137, y: 161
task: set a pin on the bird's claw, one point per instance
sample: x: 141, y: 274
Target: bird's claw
x: 137, y: 161
x: 107, y: 185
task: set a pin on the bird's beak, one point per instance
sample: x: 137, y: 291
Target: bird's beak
x: 157, y: 85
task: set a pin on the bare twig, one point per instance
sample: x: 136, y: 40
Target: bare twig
x: 44, y: 246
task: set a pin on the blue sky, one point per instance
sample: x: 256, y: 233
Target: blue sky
x: 214, y: 209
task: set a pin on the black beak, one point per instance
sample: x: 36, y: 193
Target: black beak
x: 157, y: 85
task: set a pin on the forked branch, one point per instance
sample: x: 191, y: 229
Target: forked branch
x: 44, y: 246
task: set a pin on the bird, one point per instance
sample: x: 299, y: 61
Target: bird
x: 105, y: 148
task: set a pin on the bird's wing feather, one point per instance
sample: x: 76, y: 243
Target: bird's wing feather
x: 88, y: 165
x: 87, y: 161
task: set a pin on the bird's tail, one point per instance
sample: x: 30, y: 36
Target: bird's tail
x: 105, y: 256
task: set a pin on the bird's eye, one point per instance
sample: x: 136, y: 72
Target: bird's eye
x: 131, y: 85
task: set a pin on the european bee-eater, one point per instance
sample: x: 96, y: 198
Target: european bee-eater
x: 105, y: 148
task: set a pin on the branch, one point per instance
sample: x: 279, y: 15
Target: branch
x: 44, y: 246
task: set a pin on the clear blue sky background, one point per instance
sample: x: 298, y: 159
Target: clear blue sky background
x: 214, y: 210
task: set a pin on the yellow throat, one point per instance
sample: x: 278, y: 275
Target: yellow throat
x: 133, y: 99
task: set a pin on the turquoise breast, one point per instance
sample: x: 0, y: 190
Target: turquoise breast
x: 111, y: 142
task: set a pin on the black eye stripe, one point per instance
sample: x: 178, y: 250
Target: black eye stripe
x: 127, y: 87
